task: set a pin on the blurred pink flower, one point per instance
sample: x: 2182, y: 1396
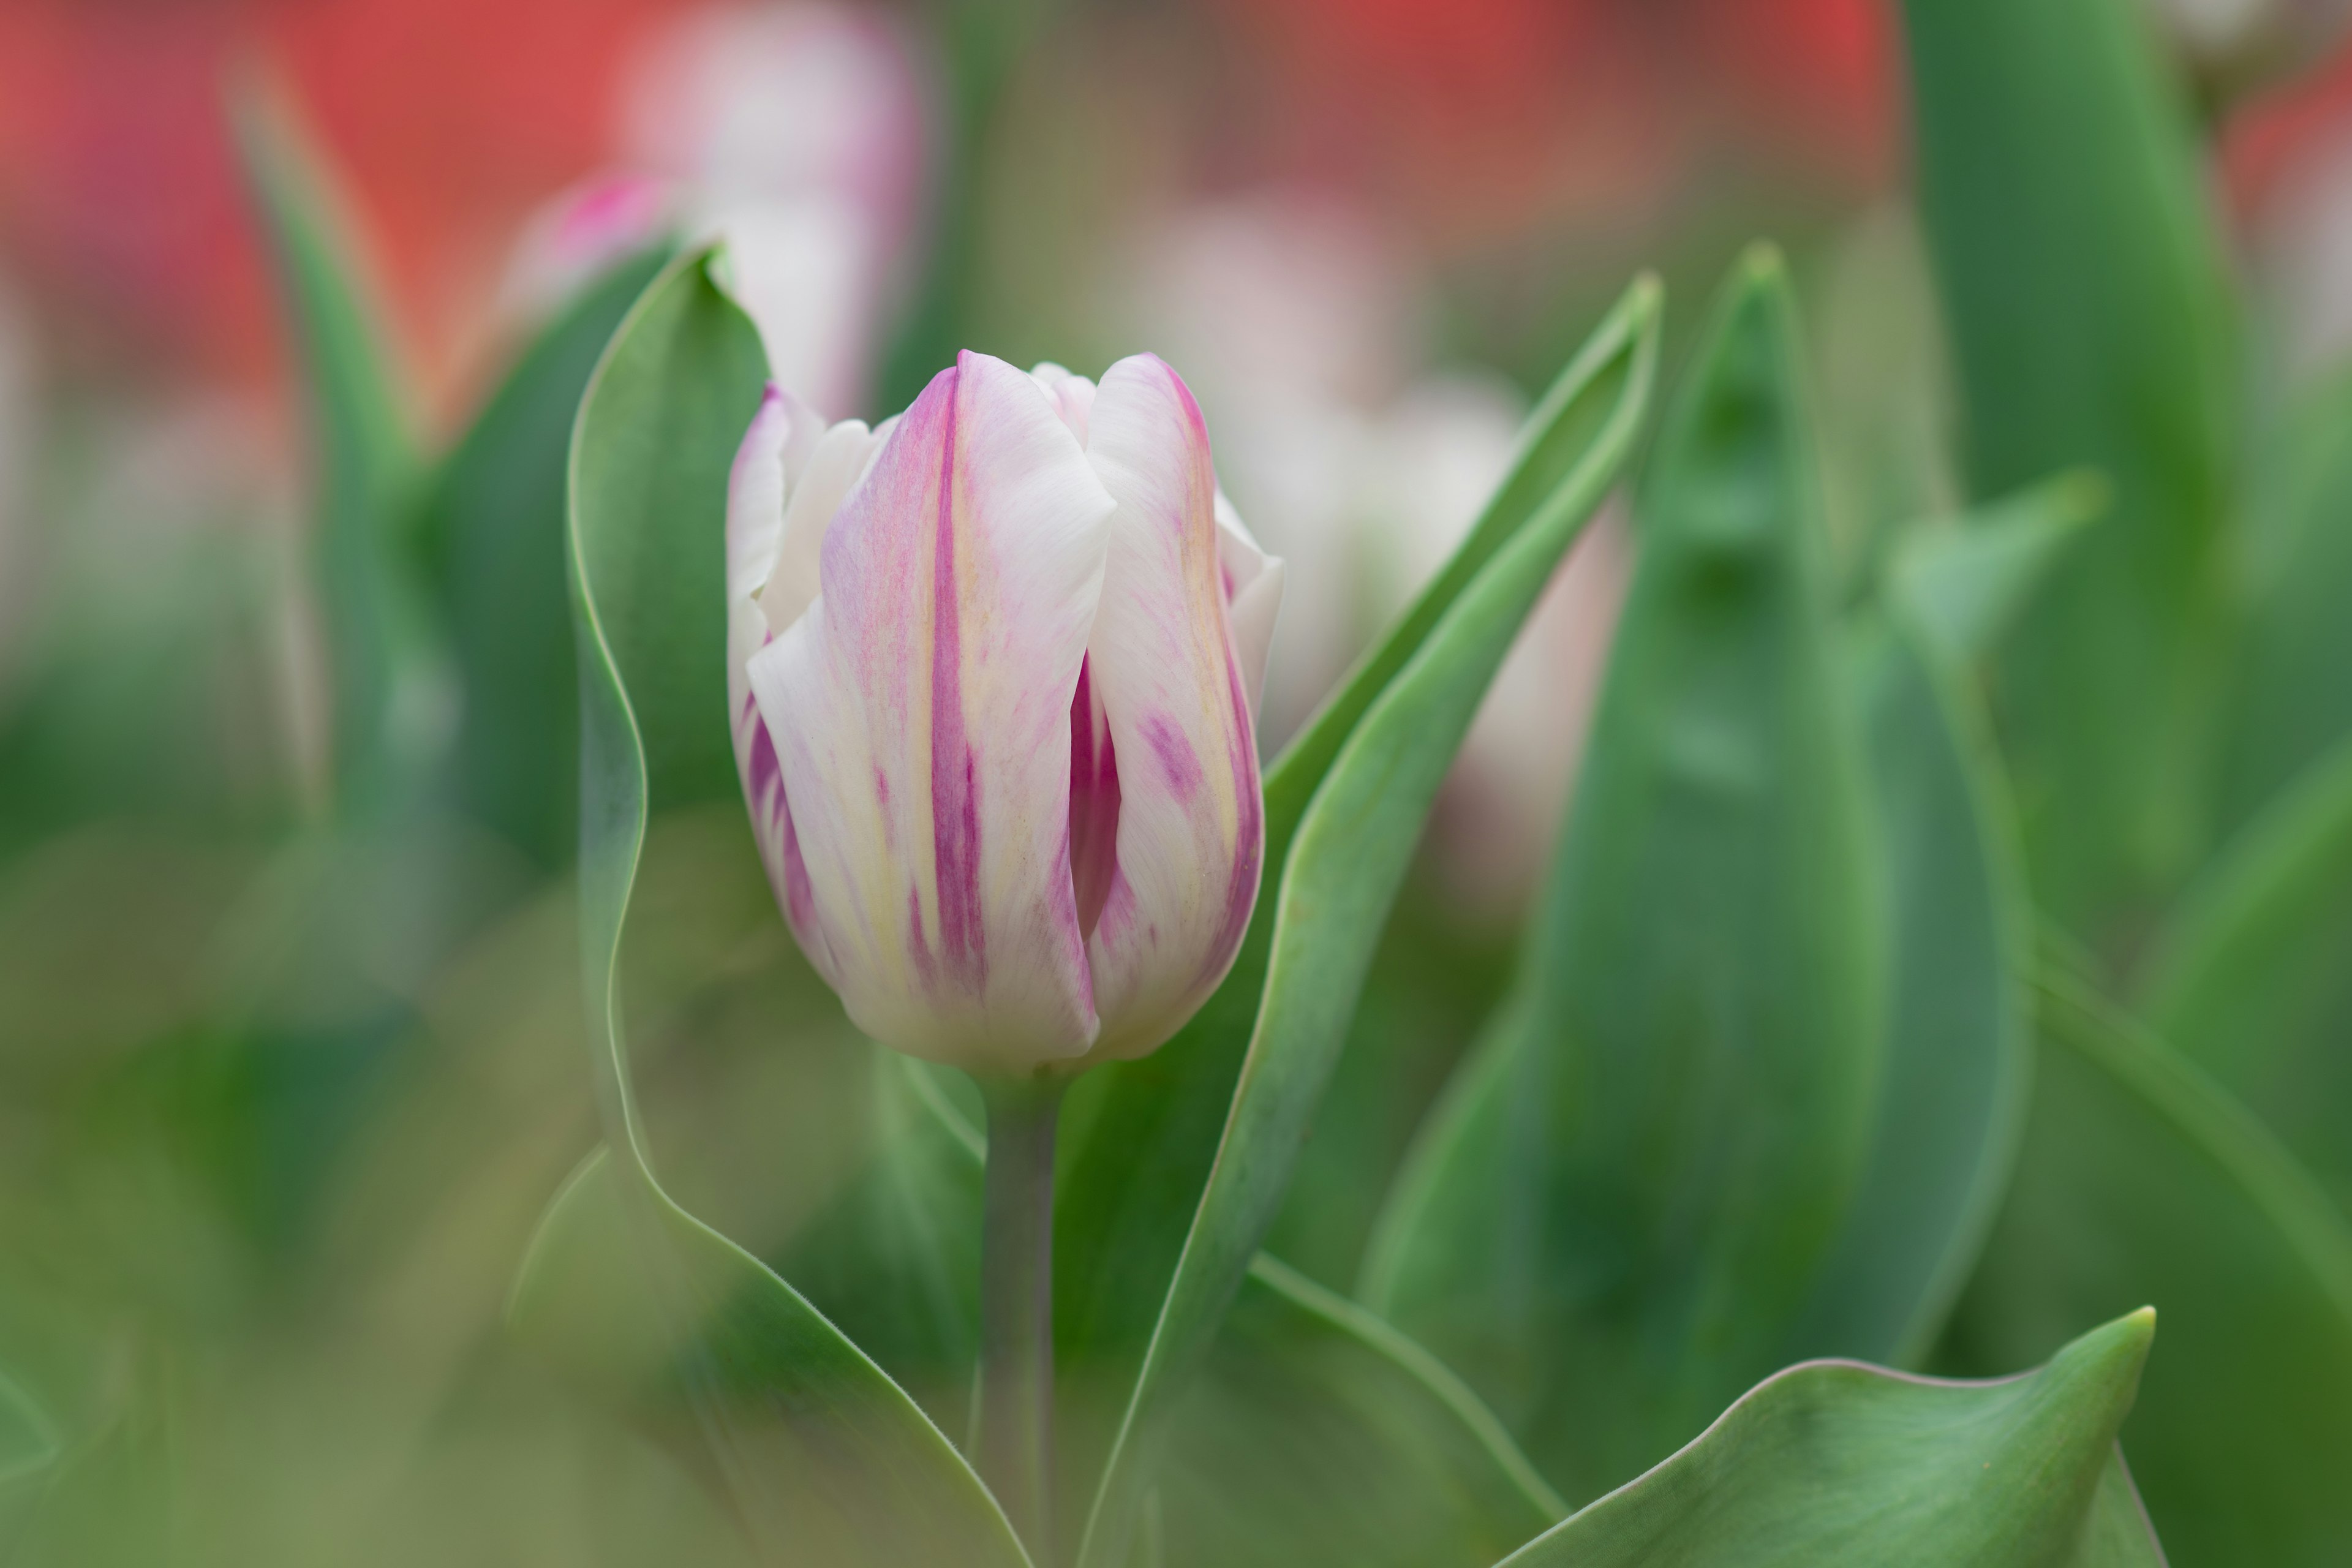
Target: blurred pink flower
x: 798, y: 134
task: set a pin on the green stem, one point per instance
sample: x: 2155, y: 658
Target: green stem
x: 1017, y: 1303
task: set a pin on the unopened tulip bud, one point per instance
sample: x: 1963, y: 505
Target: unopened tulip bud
x: 992, y: 667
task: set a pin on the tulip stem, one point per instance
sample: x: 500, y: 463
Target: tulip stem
x: 1016, y: 1302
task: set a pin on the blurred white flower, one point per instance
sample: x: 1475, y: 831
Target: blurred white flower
x: 2302, y: 245
x: 2235, y: 44
x: 800, y: 135
x: 1296, y: 318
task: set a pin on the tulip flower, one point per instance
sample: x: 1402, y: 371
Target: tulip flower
x: 994, y: 669
x: 994, y: 664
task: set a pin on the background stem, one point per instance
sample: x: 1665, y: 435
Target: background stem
x: 1017, y: 1303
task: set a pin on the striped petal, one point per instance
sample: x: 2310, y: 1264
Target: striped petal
x: 921, y: 713
x: 1175, y: 697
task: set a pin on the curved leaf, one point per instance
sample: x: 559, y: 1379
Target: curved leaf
x: 1966, y: 581
x: 1689, y: 1106
x: 2091, y: 321
x: 363, y: 452
x: 2139, y: 1181
x: 1838, y: 1462
x: 829, y: 1461
x: 1389, y: 739
x: 492, y: 538
x: 28, y: 1458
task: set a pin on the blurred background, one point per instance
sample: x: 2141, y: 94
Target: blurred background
x: 283, y: 1086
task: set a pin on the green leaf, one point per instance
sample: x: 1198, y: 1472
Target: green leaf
x: 2290, y: 704
x: 1966, y: 581
x: 1952, y: 1098
x: 1184, y: 1156
x: 2251, y: 982
x: 363, y: 452
x: 1836, y: 1462
x: 2092, y: 323
x: 1632, y: 1234
x: 492, y: 537
x: 2139, y: 1181
x: 1318, y: 1434
x: 828, y: 1460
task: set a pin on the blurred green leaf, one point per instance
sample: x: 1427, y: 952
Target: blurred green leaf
x: 1834, y: 1462
x: 2092, y: 323
x: 1952, y: 1099
x: 828, y: 1460
x: 363, y: 454
x: 2251, y: 980
x: 1317, y: 1437
x: 1170, y: 1193
x: 1629, y: 1236
x: 2289, y: 703
x: 1966, y: 581
x: 2139, y: 1181
x: 492, y: 538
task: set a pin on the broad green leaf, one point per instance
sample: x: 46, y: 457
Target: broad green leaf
x: 1966, y: 581
x: 361, y: 451
x: 828, y: 1460
x: 492, y: 536
x: 2289, y: 703
x: 1193, y: 1147
x: 2139, y: 1182
x: 1838, y: 1462
x: 1952, y: 1099
x: 2091, y: 322
x: 2251, y: 982
x: 1634, y: 1234
x: 1314, y: 1434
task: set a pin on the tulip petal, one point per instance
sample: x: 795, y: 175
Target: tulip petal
x: 757, y: 539
x: 921, y: 711
x: 816, y: 484
x: 1073, y: 395
x: 1191, y: 823
x: 1252, y: 595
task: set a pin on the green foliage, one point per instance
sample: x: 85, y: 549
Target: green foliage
x: 2139, y: 1182
x: 1833, y: 1462
x: 2090, y: 322
x: 1630, y: 1237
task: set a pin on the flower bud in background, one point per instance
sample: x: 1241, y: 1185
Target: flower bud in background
x: 994, y: 670
x: 2231, y: 46
x: 797, y: 133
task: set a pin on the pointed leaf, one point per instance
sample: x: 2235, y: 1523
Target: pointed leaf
x: 1966, y: 581
x: 2139, y: 1182
x: 2091, y: 318
x: 829, y: 1461
x: 1689, y: 1106
x: 1838, y: 1462
x: 362, y: 452
x: 1340, y: 836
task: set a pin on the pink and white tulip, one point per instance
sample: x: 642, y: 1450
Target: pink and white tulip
x: 994, y: 669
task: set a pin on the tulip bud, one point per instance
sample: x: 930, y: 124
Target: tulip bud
x: 993, y: 666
